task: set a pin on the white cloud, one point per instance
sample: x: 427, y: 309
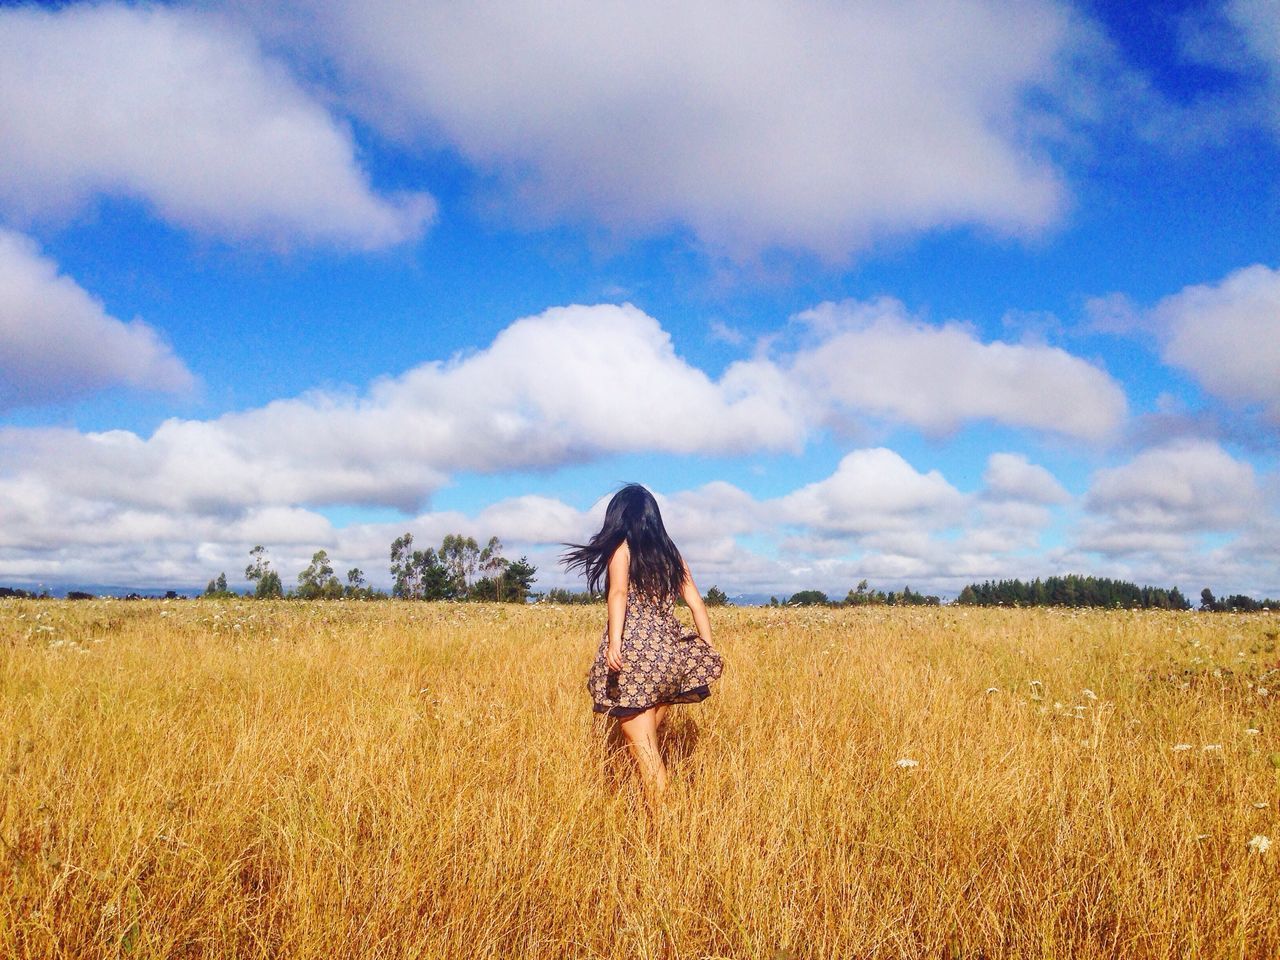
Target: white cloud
x: 174, y: 108
x: 873, y: 491
x: 1184, y: 487
x: 874, y: 517
x: 1259, y: 24
x: 1227, y: 335
x: 570, y: 384
x: 1011, y: 477
x: 1012, y: 509
x: 57, y: 342
x: 877, y: 359
x: 819, y: 126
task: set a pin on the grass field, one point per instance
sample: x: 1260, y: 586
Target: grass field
x: 276, y: 779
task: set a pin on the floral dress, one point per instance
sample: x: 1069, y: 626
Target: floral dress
x: 662, y: 662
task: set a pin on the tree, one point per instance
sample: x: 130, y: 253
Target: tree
x: 716, y: 598
x: 494, y: 564
x: 404, y: 572
x: 519, y: 576
x: 862, y: 595
x: 217, y: 587
x: 808, y: 598
x: 461, y: 556
x: 419, y: 574
x: 260, y: 572
x: 355, y: 587
x: 317, y: 581
x: 1207, y: 602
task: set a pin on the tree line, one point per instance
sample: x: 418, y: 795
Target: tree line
x: 1072, y: 591
x: 715, y: 597
x: 460, y: 569
x: 1236, y: 603
x: 860, y: 596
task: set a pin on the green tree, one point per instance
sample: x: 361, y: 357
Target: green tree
x: 217, y: 587
x: 862, y: 595
x: 317, y: 581
x: 808, y: 598
x: 419, y: 574
x: 461, y: 556
x: 260, y: 573
x: 716, y: 597
x: 355, y: 587
x: 405, y: 575
x: 494, y: 565
x: 519, y: 576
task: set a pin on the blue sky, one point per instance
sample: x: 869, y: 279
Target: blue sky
x: 923, y: 293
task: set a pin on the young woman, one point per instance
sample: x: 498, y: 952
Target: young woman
x: 646, y: 660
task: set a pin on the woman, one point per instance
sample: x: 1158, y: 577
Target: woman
x: 646, y: 660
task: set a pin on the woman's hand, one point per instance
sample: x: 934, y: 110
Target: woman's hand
x: 613, y: 656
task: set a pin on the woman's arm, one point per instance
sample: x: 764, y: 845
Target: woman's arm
x: 619, y: 580
x: 689, y: 590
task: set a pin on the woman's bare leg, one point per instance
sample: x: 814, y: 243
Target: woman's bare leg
x: 660, y: 714
x: 641, y: 733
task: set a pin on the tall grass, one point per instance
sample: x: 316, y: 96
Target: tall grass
x: 205, y: 779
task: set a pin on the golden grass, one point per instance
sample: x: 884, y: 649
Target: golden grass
x: 206, y: 779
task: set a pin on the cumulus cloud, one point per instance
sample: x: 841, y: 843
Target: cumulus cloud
x: 178, y: 110
x: 873, y: 491
x: 58, y: 343
x: 1012, y: 509
x: 1224, y: 334
x: 819, y: 126
x: 874, y: 516
x: 1186, y: 487
x: 875, y: 358
x: 1011, y: 477
x: 569, y: 384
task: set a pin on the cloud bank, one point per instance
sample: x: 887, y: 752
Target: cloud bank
x: 58, y: 343
x: 1225, y: 335
x: 176, y: 109
x: 817, y: 127
x: 575, y: 384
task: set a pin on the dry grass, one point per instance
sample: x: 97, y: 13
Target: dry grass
x: 203, y: 779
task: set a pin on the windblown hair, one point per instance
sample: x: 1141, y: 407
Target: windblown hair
x: 633, y: 516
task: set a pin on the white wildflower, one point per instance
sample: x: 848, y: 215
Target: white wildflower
x: 1180, y: 747
x: 1212, y: 747
x: 1089, y: 694
x: 1259, y: 844
x: 906, y: 763
x: 1261, y: 805
x: 993, y: 689
x: 1252, y: 731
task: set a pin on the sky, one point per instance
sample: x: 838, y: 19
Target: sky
x: 922, y: 292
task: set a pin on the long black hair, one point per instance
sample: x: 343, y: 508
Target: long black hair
x: 633, y: 516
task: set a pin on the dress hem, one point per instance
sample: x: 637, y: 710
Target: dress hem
x: 692, y: 695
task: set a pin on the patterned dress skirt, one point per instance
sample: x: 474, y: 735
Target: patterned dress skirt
x: 662, y: 662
